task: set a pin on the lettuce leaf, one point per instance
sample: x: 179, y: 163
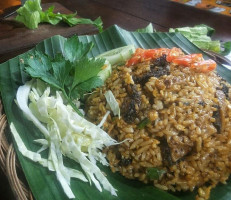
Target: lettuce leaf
x: 200, y: 35
x: 148, y: 29
x: 31, y: 14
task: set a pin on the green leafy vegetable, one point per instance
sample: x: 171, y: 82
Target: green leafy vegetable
x: 155, y: 173
x: 148, y: 29
x: 31, y: 14
x: 200, y: 35
x: 227, y: 48
x: 71, y: 72
x: 50, y: 17
x: 143, y: 123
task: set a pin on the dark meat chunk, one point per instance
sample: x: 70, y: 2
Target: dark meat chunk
x: 118, y: 154
x: 160, y: 67
x: 165, y: 152
x: 134, y: 94
x: 216, y: 115
x: 131, y: 104
x: 180, y: 147
x: 167, y: 83
x: 143, y: 79
x: 161, y: 61
x: 160, y: 71
x: 116, y: 151
x: 125, y: 162
x: 157, y: 69
x: 225, y: 89
x: 186, y: 103
x: 129, y: 110
x: 220, y: 118
x: 202, y: 103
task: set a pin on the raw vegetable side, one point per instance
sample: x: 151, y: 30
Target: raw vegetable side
x: 199, y: 35
x: 65, y: 133
x: 31, y: 14
x: 51, y: 100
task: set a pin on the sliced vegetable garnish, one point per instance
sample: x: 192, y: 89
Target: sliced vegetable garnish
x: 106, y: 71
x: 204, y: 65
x: 195, y: 62
x: 143, y: 123
x: 66, y: 133
x: 141, y: 55
x: 111, y: 100
x: 174, y: 55
x: 185, y: 60
x: 118, y: 55
x: 155, y: 173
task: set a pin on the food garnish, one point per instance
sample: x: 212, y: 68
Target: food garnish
x: 52, y: 100
x: 70, y: 72
x: 143, y: 123
x: 66, y: 133
x: 155, y: 173
x: 112, y: 103
x: 119, y: 55
x: 174, y: 55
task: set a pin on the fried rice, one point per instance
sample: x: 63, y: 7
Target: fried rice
x: 174, y: 121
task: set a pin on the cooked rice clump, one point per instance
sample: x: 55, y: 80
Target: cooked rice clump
x: 177, y: 121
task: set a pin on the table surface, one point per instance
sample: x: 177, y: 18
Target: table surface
x: 134, y: 14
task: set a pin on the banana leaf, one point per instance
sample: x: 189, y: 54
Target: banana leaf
x: 42, y: 182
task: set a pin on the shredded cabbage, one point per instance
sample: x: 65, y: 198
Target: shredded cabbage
x: 110, y: 98
x: 66, y: 133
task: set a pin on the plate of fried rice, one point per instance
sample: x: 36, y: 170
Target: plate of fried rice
x: 175, y: 121
x: 171, y: 121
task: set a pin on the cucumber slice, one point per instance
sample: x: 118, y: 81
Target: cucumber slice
x: 106, y: 72
x: 119, y: 55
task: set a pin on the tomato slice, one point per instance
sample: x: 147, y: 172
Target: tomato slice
x: 161, y: 51
x: 149, y: 53
x: 133, y: 60
x: 173, y: 53
x: 204, y: 65
x: 187, y: 60
x: 146, y: 54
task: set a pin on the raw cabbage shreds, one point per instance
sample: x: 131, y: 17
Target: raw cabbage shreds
x: 66, y: 133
